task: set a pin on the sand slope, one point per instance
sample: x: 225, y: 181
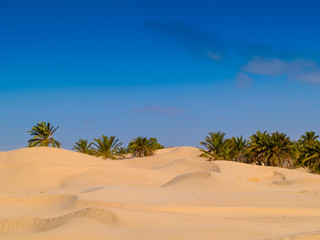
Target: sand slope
x: 48, y: 193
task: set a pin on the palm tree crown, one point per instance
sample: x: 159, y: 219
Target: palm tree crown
x: 143, y: 147
x: 216, y: 146
x: 42, y: 135
x: 239, y: 148
x: 106, y: 147
x: 83, y: 146
x: 308, y: 137
x: 310, y: 157
x: 273, y: 149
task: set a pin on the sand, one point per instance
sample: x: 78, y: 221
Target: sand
x: 48, y: 193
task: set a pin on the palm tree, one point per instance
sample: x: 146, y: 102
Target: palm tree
x: 256, y: 147
x: 273, y: 149
x: 310, y: 157
x: 226, y: 152
x: 83, y: 146
x: 297, y: 147
x: 239, y: 149
x: 308, y: 137
x: 121, y: 152
x: 142, y: 147
x: 215, y: 145
x: 155, y: 144
x: 106, y: 147
x: 42, y: 133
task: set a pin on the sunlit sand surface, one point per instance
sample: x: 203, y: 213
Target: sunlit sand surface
x: 49, y: 193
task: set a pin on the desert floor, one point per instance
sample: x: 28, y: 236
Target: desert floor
x: 48, y: 193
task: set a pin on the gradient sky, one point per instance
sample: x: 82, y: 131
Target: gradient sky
x: 174, y: 70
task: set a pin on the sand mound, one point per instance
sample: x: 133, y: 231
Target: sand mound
x: 93, y: 189
x: 188, y: 179
x: 101, y: 215
x: 206, y: 181
x: 259, y: 173
x: 270, y: 177
x: 301, y: 181
x: 274, y: 176
x: 37, y: 225
x: 49, y: 193
x: 39, y: 169
x: 61, y: 200
x: 179, y: 152
x: 186, y: 165
x: 43, y: 154
x: 166, y: 156
x: 35, y: 206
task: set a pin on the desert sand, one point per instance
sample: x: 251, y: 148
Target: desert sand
x: 48, y: 193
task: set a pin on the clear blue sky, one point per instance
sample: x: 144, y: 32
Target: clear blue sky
x: 174, y: 70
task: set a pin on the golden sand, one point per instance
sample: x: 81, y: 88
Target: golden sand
x: 48, y: 193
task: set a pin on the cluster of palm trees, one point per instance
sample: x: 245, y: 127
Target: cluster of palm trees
x: 263, y: 148
x: 104, y: 147
x: 111, y: 147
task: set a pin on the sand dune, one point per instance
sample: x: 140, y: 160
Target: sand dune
x: 36, y: 225
x: 188, y: 179
x: 185, y: 165
x: 48, y: 193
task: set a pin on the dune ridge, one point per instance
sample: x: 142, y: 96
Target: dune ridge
x: 49, y: 193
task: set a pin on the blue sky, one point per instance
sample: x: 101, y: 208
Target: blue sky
x: 174, y: 70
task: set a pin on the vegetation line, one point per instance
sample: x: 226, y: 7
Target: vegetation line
x: 262, y: 148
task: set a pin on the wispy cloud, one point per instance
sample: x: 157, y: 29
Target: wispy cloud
x: 243, y: 80
x: 249, y: 50
x: 159, y: 110
x: 298, y: 64
x: 197, y: 41
x: 297, y: 69
x: 276, y: 66
x: 310, y: 76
